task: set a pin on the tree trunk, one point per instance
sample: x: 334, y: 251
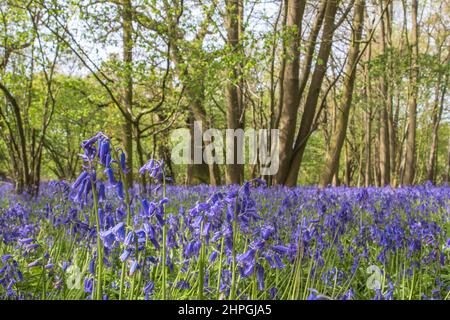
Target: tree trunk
x: 332, y: 158
x: 385, y: 158
x: 234, y: 171
x: 22, y: 140
x: 392, y: 128
x: 410, y: 157
x: 195, y: 94
x: 368, y: 114
x: 127, y: 95
x: 313, y: 95
x: 447, y: 170
x: 196, y: 173
x: 288, y: 118
x: 438, y: 107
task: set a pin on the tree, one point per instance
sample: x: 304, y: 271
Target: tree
x: 127, y: 95
x: 383, y: 118
x: 333, y: 155
x: 410, y: 148
x: 295, y: 9
x: 23, y: 135
x: 234, y: 171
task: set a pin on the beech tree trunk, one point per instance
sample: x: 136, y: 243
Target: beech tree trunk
x: 234, y: 171
x: 438, y: 107
x: 313, y: 95
x: 410, y: 157
x: 337, y: 140
x: 383, y: 118
x: 127, y: 96
x: 368, y: 113
x: 288, y: 118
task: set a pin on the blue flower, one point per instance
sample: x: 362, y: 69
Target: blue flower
x: 134, y: 267
x: 125, y: 254
x: 119, y: 188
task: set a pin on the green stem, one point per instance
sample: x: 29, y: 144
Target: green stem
x: 219, y: 275
x: 233, y: 253
x: 98, y: 295
x: 164, y: 249
x: 127, y: 226
x: 201, y: 271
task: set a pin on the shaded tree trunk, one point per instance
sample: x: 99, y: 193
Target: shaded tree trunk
x: 313, y: 95
x: 332, y: 158
x: 288, y: 118
x: 383, y: 117
x: 196, y: 173
x: 410, y: 157
x: 368, y: 119
x: 24, y: 170
x: 234, y: 171
x: 392, y: 128
x: 127, y: 95
x: 438, y: 107
x: 447, y: 171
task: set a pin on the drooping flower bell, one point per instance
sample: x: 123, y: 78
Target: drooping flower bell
x: 154, y: 168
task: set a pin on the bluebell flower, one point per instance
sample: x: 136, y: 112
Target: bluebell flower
x: 119, y: 230
x: 280, y: 249
x: 119, y: 188
x: 134, y: 266
x: 49, y: 266
x: 80, y: 178
x: 92, y: 266
x: 148, y: 289
x: 129, y: 239
x: 247, y: 257
x: 125, y: 254
x: 34, y: 264
x: 183, y: 285
x: 111, y: 178
x: 123, y: 162
x: 88, y: 285
x: 213, y: 256
x: 260, y: 277
x: 101, y: 192
x: 6, y: 257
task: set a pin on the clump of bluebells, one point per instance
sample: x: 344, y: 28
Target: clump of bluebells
x: 98, y: 238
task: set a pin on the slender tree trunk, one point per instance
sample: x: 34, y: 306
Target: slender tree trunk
x: 274, y: 115
x: 234, y: 171
x: 25, y: 172
x: 447, y: 171
x: 386, y: 25
x: 368, y: 118
x: 384, y: 132
x: 196, y: 173
x: 289, y: 110
x: 279, y: 107
x: 332, y: 158
x: 410, y: 157
x: 348, y: 166
x: 368, y: 149
x: 361, y: 167
x: 304, y: 75
x: 140, y: 154
x: 383, y: 118
x: 438, y: 107
x: 313, y: 95
x: 127, y: 96
x: 195, y: 94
